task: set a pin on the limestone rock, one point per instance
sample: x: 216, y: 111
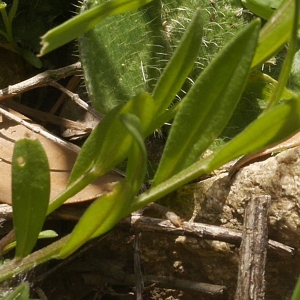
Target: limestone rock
x: 220, y: 201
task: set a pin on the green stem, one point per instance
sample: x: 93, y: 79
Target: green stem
x: 204, y: 166
x: 8, y: 27
x: 7, y: 24
x: 72, y: 190
x: 18, y: 266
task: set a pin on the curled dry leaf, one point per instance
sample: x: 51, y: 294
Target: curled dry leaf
x: 61, y: 161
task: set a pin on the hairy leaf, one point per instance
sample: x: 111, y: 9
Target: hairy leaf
x: 30, y: 193
x: 105, y: 212
x: 205, y: 111
x: 275, y: 33
x: 82, y: 23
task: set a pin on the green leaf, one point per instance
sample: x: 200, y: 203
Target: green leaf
x: 20, y: 293
x: 107, y: 146
x: 84, y: 22
x: 288, y: 60
x: 262, y: 8
x: 271, y: 127
x: 13, y: 11
x: 90, y: 150
x: 207, y: 108
x: 31, y: 58
x: 180, y: 65
x: 261, y: 86
x: 296, y: 293
x: 30, y: 193
x: 106, y: 211
x: 109, y: 143
x: 102, y: 213
x: 137, y: 162
x: 275, y: 33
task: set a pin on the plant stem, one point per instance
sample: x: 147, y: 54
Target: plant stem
x: 18, y: 266
x: 8, y: 27
x: 72, y: 189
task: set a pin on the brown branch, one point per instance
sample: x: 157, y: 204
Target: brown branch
x: 253, y: 251
x: 40, y: 80
x: 76, y: 99
x: 197, y: 230
x: 139, y: 281
x: 38, y: 130
x: 47, y: 117
x: 139, y: 223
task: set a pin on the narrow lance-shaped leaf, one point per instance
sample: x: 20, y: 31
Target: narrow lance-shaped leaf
x: 275, y: 33
x: 207, y: 107
x: 273, y: 126
x: 296, y: 293
x: 108, y: 144
x: 137, y: 162
x: 30, y: 193
x: 288, y: 60
x: 106, y: 211
x: 264, y: 9
x: 84, y: 22
x: 135, y: 170
x: 180, y: 64
x: 13, y: 11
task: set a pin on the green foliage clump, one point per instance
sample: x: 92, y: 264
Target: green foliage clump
x: 126, y: 54
x: 198, y: 119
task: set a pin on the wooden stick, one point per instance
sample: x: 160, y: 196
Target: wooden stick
x: 253, y: 251
x: 197, y: 230
x: 42, y: 79
x: 139, y: 281
x: 39, y: 130
x: 139, y: 223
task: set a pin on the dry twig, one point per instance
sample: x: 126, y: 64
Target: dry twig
x: 253, y: 251
x: 43, y: 79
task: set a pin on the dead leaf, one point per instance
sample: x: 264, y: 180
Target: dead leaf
x: 61, y: 161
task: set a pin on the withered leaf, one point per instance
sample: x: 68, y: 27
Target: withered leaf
x: 61, y: 161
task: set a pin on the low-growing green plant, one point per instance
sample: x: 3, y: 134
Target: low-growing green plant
x: 198, y: 119
x: 11, y: 43
x: 21, y: 24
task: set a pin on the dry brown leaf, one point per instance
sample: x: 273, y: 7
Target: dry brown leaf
x: 61, y: 161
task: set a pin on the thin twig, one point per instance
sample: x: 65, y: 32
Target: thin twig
x: 40, y: 80
x: 76, y: 99
x: 71, y: 86
x: 39, y: 130
x: 139, y: 283
x: 197, y: 230
x: 47, y: 117
x: 139, y: 223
